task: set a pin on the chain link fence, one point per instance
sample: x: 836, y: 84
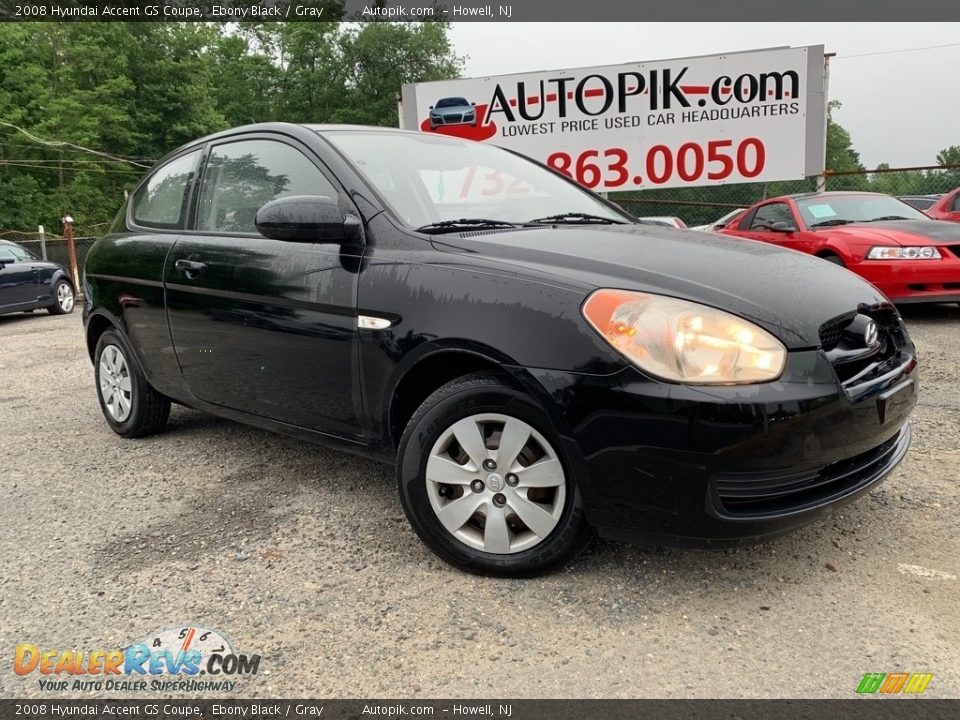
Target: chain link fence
x: 705, y: 205
x: 54, y: 247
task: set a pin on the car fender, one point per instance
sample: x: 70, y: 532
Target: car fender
x: 837, y: 246
x: 95, y: 322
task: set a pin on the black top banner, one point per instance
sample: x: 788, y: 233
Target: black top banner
x: 473, y: 11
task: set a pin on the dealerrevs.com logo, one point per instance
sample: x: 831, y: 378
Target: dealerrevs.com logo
x: 189, y: 658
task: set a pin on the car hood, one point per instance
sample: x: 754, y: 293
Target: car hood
x: 790, y: 294
x: 900, y: 232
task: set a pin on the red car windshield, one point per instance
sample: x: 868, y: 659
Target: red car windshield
x: 828, y: 210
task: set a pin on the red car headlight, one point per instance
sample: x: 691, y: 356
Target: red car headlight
x: 885, y: 252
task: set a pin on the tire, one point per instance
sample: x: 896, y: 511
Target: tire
x: 64, y: 298
x: 835, y: 259
x: 130, y: 406
x: 473, y: 408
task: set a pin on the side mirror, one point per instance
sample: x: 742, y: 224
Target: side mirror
x: 782, y: 227
x: 473, y: 103
x: 302, y: 218
x: 7, y: 260
x: 431, y: 107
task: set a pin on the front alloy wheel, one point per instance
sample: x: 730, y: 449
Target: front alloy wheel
x: 495, y: 483
x: 485, y: 482
x: 63, y: 297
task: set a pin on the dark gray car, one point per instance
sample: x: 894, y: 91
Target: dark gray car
x: 27, y: 283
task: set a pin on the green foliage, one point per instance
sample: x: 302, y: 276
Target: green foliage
x: 139, y: 90
x: 840, y: 157
x: 949, y: 156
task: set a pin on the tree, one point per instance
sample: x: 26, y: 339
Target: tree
x: 840, y: 157
x: 136, y: 91
x: 380, y: 57
x: 949, y: 156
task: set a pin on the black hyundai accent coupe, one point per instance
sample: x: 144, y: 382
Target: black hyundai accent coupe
x: 533, y: 361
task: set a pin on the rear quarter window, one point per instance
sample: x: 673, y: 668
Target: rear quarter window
x: 162, y: 201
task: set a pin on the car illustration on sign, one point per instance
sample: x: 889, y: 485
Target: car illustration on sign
x: 452, y: 111
x: 535, y: 364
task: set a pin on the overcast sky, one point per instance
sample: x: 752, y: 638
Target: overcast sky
x: 900, y: 107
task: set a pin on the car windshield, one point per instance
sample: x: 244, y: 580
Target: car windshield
x: 19, y: 253
x: 827, y: 210
x: 920, y: 203
x: 451, y: 102
x: 428, y: 179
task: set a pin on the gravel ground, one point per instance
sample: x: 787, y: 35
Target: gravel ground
x: 303, y: 555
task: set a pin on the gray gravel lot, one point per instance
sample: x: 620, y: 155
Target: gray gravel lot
x: 303, y: 555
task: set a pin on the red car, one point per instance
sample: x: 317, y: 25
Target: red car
x: 947, y: 207
x: 907, y: 255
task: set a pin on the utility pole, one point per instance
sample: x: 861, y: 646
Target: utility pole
x: 822, y: 177
x: 43, y: 242
x: 71, y: 251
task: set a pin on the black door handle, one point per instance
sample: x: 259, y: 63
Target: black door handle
x: 191, y: 268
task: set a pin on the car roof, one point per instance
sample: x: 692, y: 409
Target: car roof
x: 282, y: 126
x: 824, y: 194
x: 285, y: 128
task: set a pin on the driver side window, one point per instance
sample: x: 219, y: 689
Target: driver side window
x: 767, y: 215
x: 241, y: 177
x: 20, y: 255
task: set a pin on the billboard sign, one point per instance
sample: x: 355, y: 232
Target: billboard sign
x: 741, y: 117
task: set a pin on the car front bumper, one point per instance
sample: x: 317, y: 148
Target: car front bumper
x: 685, y: 465
x: 915, y: 281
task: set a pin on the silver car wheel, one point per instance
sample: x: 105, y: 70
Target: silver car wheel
x: 65, y: 297
x: 115, y: 387
x: 495, y: 483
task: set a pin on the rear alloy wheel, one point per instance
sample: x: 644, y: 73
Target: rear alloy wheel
x: 130, y: 406
x: 484, y: 484
x: 63, y: 298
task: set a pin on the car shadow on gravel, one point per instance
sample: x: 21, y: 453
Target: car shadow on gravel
x: 280, y: 480
x: 16, y: 318
x: 934, y: 312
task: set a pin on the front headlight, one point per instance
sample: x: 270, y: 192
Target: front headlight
x: 684, y: 341
x: 903, y: 253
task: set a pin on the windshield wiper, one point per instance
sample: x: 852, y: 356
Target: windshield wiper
x: 886, y: 217
x: 835, y: 221
x: 576, y: 217
x: 454, y: 225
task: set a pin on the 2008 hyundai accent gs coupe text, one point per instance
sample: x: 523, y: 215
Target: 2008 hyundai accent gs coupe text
x: 534, y: 361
